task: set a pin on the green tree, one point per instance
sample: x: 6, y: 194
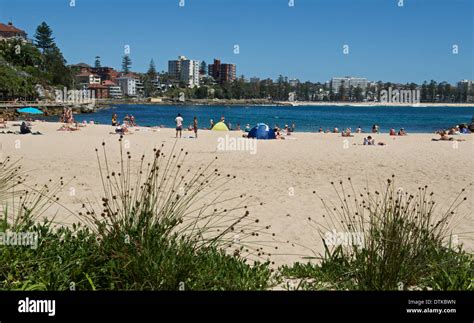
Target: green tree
x: 126, y: 63
x: 97, y: 62
x: 342, y: 93
x: 56, y: 67
x: 148, y: 87
x: 358, y: 94
x: 152, y: 70
x: 44, y: 37
x: 15, y: 52
x: 201, y: 92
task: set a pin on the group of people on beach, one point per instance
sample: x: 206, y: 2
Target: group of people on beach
x: 179, y: 126
x: 67, y: 116
x: 122, y: 128
x: 281, y: 133
x: 179, y: 121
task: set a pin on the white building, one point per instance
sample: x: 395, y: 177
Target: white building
x: 115, y: 91
x: 348, y: 82
x: 184, y: 70
x: 294, y: 82
x: 190, y: 72
x: 128, y: 85
x: 85, y: 79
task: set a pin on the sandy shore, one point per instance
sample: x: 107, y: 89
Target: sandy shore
x: 282, y: 174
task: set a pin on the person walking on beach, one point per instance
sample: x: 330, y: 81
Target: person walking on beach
x: 179, y: 125
x: 195, y: 126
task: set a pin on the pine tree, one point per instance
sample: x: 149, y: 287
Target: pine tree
x: 43, y: 37
x: 152, y: 70
x: 126, y: 63
x: 97, y: 62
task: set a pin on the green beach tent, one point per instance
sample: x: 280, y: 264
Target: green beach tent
x: 220, y: 126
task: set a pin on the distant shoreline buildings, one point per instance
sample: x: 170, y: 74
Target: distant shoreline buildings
x: 219, y: 78
x: 347, y: 83
x: 189, y: 71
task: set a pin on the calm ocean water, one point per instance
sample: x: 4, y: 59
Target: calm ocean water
x: 306, y: 118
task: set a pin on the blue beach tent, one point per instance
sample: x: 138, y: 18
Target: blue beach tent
x: 261, y: 131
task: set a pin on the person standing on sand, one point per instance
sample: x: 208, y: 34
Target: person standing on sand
x: 195, y: 126
x: 114, y: 120
x: 179, y: 125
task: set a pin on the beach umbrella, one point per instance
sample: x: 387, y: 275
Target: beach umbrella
x: 220, y: 126
x: 261, y: 131
x: 29, y: 110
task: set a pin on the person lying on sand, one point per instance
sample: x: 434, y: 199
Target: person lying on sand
x: 121, y: 129
x: 67, y: 127
x: 369, y: 141
x: 278, y: 135
x: 444, y: 137
x: 402, y: 132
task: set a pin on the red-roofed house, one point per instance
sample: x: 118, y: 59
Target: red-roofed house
x: 101, y: 91
x: 86, y: 79
x: 9, y: 31
x: 115, y: 91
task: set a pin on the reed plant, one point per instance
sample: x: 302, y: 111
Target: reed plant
x: 158, y: 226
x: 405, y: 242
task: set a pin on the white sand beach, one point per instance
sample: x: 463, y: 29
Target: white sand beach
x: 282, y: 174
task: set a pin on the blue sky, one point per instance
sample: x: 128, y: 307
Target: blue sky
x: 386, y: 42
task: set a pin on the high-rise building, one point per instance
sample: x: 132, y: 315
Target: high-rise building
x: 174, y: 68
x: 190, y: 72
x: 222, y: 72
x: 348, y: 82
x: 184, y: 70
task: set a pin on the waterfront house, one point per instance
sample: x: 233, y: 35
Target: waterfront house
x: 9, y: 31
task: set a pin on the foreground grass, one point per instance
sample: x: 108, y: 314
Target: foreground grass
x: 78, y: 259
x: 152, y: 231
x: 404, y: 244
